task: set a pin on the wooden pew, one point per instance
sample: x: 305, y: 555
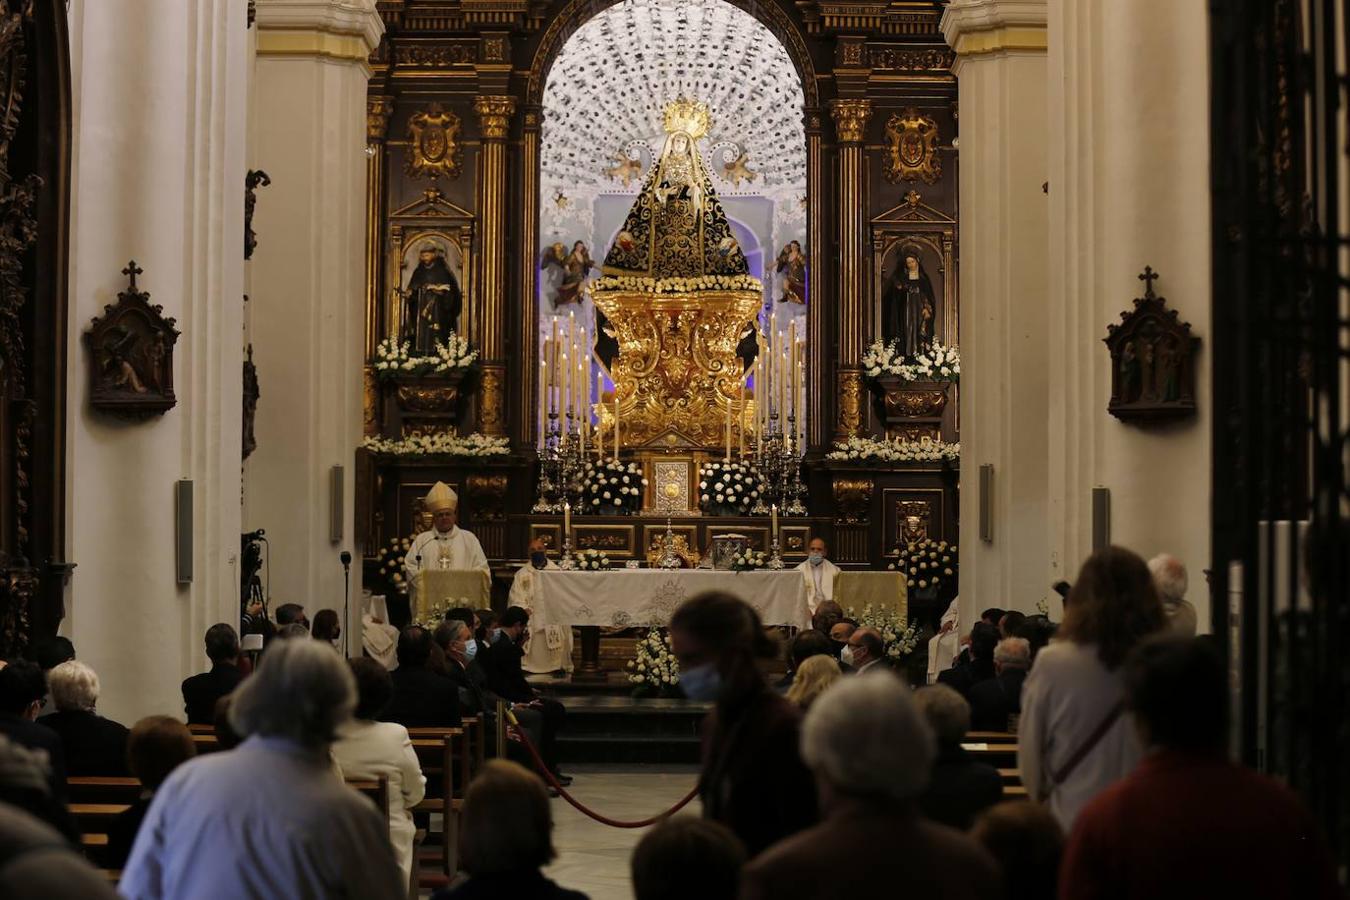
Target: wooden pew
x: 103, y: 789
x: 437, y: 758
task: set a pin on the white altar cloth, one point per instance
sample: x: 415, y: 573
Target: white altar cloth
x: 622, y: 598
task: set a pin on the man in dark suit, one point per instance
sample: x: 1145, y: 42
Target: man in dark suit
x: 977, y: 663
x: 960, y: 786
x: 995, y: 702
x: 501, y: 662
x: 200, y: 692
x: 422, y: 698
x: 22, y: 692
x: 93, y: 745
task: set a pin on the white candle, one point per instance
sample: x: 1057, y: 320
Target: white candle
x: 616, y: 423
x: 773, y: 512
x: 727, y: 457
x: 740, y: 444
x: 583, y: 408
x: 543, y: 398
x: 565, y: 389
x: 567, y: 520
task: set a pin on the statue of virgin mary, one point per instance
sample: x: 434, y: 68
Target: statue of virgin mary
x: 676, y: 228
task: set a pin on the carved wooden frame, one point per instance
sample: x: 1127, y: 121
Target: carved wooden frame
x: 120, y: 385
x: 914, y: 221
x: 430, y: 217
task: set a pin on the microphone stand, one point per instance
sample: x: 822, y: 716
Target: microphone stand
x: 346, y: 558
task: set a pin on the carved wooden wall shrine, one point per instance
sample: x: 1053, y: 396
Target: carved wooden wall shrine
x: 1152, y: 361
x: 131, y: 355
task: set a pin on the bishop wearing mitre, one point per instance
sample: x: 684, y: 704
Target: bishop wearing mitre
x: 550, y: 646
x: 446, y: 545
x: 819, y: 573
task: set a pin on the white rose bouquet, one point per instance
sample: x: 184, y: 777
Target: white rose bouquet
x: 747, y: 560
x: 394, y: 358
x: 728, y: 489
x: 391, y: 564
x: 592, y: 561
x: 869, y: 449
x: 933, y: 362
x: 926, y: 564
x: 612, y: 488
x: 654, y: 671
x: 899, y: 637
x: 445, y: 443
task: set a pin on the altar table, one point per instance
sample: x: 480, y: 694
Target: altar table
x: 624, y: 598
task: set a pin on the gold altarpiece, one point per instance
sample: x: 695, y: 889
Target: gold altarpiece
x: 454, y: 145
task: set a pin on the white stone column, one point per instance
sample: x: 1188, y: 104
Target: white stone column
x: 1001, y: 77
x: 158, y: 167
x: 307, y: 287
x: 1129, y: 187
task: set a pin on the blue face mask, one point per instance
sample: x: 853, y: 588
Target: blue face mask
x: 701, y: 682
x: 493, y: 635
x: 539, y: 559
x: 816, y: 558
x: 470, y: 649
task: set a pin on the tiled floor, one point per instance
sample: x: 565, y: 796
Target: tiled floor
x: 593, y: 858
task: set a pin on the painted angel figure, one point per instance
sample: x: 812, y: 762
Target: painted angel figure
x: 792, y: 266
x: 575, y: 265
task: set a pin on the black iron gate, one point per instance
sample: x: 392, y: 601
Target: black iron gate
x: 1281, y: 200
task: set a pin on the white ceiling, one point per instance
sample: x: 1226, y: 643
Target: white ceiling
x: 606, y: 92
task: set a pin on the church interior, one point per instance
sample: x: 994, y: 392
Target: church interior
x: 610, y: 361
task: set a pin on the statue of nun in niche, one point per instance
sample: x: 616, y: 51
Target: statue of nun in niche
x: 907, y: 304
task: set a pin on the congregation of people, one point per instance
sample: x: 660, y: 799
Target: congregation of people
x: 839, y: 780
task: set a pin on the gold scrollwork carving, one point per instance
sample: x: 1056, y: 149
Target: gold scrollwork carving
x: 915, y: 403
x: 852, y: 500
x: 911, y: 154
x: 849, y: 392
x: 850, y: 118
x: 491, y: 400
x: 494, y: 115
x: 434, y: 146
x: 378, y: 111
x: 370, y: 393
x: 417, y: 399
x: 914, y: 434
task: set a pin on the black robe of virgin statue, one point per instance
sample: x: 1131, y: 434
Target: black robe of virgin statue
x: 903, y: 307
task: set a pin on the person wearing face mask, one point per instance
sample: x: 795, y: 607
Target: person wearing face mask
x: 753, y: 779
x: 819, y: 574
x: 502, y: 663
x: 549, y: 648
x: 865, y: 651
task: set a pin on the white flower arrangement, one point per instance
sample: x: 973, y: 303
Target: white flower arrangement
x: 868, y: 449
x: 654, y: 669
x: 677, y: 285
x: 933, y: 362
x: 612, y: 487
x: 926, y: 563
x: 899, y: 638
x: 749, y: 560
x: 435, y: 613
x: 394, y: 358
x: 592, y: 560
x: 440, y: 444
x: 728, y: 488
x: 391, y: 564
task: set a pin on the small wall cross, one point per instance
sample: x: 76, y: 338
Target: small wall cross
x: 1148, y: 277
x: 132, y: 270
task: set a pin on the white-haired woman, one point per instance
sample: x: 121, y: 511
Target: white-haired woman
x: 93, y: 745
x: 871, y: 752
x: 269, y: 819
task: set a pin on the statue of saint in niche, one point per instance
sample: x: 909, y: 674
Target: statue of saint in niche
x: 432, y: 300
x: 907, y: 304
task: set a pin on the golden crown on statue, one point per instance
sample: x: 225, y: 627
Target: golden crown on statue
x: 689, y: 116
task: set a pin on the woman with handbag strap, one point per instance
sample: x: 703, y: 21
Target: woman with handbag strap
x: 1074, y: 736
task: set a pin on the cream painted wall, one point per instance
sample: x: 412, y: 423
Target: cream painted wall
x: 1129, y: 187
x: 158, y: 165
x: 307, y: 288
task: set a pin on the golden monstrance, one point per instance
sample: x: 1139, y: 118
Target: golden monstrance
x: 678, y: 294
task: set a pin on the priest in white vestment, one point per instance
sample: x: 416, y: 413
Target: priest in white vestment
x: 446, y: 545
x: 945, y: 646
x: 549, y: 648
x: 819, y: 573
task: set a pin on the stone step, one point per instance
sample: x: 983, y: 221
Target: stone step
x: 622, y: 729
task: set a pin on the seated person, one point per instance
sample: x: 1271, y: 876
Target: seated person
x: 501, y: 662
x: 21, y: 695
x: 826, y: 615
x: 976, y: 665
x: 865, y: 652
x: 960, y: 787
x: 1027, y: 841
x: 93, y: 745
x: 688, y: 857
x: 200, y: 692
x: 995, y: 703
x: 455, y: 639
x: 422, y: 698
x: 25, y: 785
x: 326, y: 627
x: 291, y: 614
x: 813, y: 677
x: 506, y: 838
x: 366, y: 748
x: 156, y: 746
x: 806, y: 644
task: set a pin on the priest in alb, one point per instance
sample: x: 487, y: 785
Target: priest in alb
x: 549, y: 648
x: 819, y: 574
x: 446, y: 545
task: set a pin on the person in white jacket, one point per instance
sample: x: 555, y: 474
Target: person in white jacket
x: 368, y: 749
x: 1075, y: 737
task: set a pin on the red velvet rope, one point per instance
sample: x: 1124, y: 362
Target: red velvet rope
x: 577, y: 804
